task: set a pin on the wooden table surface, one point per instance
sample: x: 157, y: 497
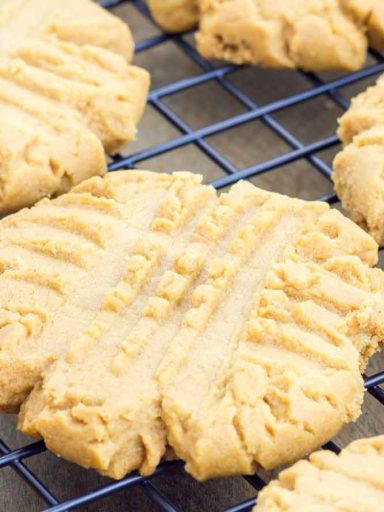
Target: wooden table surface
x: 243, y: 146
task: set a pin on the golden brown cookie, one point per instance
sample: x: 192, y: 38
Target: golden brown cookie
x: 349, y: 482
x: 358, y: 168
x: 70, y: 56
x: 234, y: 329
x: 175, y: 15
x: 314, y: 35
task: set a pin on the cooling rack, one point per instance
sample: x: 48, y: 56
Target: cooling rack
x: 297, y: 151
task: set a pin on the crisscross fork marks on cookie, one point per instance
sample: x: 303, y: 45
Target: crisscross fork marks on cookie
x: 110, y: 109
x: 351, y: 481
x: 136, y: 430
x: 77, y: 224
x: 207, y: 331
x: 135, y: 274
x: 126, y: 196
x: 276, y: 380
x: 67, y: 92
x: 213, y: 349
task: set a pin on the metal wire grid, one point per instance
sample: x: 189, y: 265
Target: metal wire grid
x: 14, y: 458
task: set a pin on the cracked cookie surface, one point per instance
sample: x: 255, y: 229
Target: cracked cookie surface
x: 358, y: 169
x: 70, y: 59
x: 313, y: 34
x: 316, y: 35
x: 76, y: 259
x: 349, y: 482
x: 233, y: 329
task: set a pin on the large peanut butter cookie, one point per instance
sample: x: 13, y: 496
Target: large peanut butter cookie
x: 141, y: 310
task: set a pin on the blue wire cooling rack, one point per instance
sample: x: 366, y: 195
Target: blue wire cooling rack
x: 14, y: 458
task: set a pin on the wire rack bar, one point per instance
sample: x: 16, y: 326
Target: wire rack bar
x: 256, y: 481
x: 31, y: 479
x: 157, y: 497
x: 370, y: 383
x: 102, y: 492
x: 245, y: 117
x: 273, y: 163
x: 377, y: 393
x: 21, y: 453
x: 374, y: 380
x: 267, y: 119
x: 296, y: 151
x: 243, y: 507
x: 201, y: 143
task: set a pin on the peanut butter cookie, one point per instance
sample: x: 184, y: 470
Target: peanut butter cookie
x: 358, y: 168
x: 350, y: 482
x: 315, y: 35
x: 68, y: 58
x: 144, y: 310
